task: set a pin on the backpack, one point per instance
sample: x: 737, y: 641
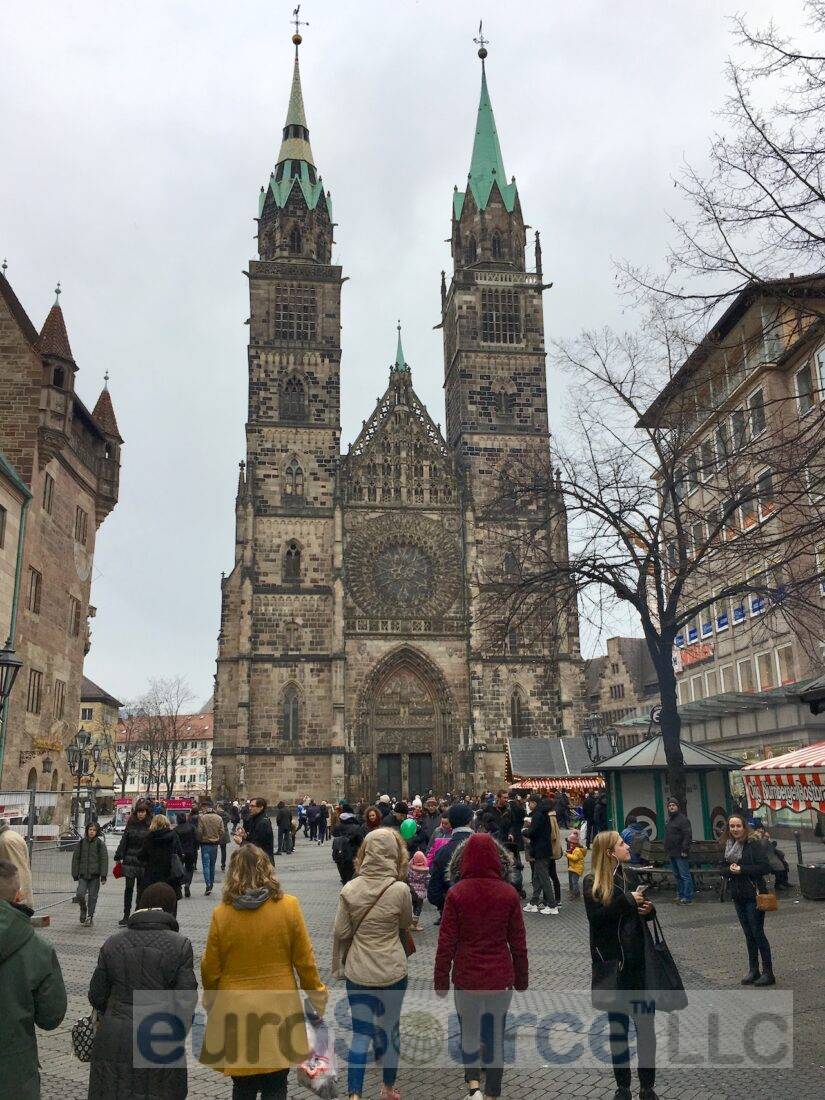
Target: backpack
x: 341, y: 849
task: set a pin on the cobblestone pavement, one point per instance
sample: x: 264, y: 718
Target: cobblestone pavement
x: 705, y: 939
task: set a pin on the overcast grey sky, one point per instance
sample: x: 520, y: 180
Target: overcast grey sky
x: 135, y: 139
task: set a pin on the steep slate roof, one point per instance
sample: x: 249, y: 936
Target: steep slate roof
x: 487, y: 164
x: 104, y: 414
x: 17, y: 311
x: 90, y: 692
x: 536, y: 757
x: 54, y: 340
x: 650, y: 756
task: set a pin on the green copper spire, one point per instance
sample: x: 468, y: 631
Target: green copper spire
x: 487, y: 165
x: 295, y: 165
x: 400, y: 363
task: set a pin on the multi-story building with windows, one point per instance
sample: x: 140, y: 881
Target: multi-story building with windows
x: 622, y: 684
x: 192, y: 749
x: 99, y: 715
x: 752, y: 487
x: 68, y: 458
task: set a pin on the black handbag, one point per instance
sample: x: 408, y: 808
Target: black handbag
x: 177, y: 871
x: 662, y: 978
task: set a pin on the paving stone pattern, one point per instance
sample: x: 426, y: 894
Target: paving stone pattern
x: 704, y: 937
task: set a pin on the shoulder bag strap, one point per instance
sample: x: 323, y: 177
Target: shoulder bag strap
x: 370, y: 907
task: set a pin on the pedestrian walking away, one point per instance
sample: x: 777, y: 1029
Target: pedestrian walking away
x: 90, y: 866
x: 160, y: 855
x: 128, y: 851
x: 149, y: 954
x: 32, y: 993
x: 187, y: 834
x: 323, y: 822
x: 210, y: 830
x: 257, y: 943
x: 418, y: 876
x: 347, y: 835
x: 459, y: 816
x: 616, y: 909
x: 283, y: 822
x: 744, y: 867
x: 677, y: 841
x: 482, y: 945
x: 223, y: 813
x: 367, y: 951
x: 545, y: 848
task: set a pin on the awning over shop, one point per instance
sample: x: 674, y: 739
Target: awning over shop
x: 550, y: 763
x: 580, y: 784
x: 795, y: 781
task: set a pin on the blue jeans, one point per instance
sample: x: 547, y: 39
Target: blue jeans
x: 209, y: 854
x: 684, y: 880
x: 375, y: 1011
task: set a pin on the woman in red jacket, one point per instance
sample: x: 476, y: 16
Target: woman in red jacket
x: 482, y: 938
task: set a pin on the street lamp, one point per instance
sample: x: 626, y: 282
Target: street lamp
x: 594, y: 734
x: 9, y: 667
x: 82, y: 761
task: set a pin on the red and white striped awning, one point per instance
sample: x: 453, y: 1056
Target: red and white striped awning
x: 794, y: 781
x: 578, y: 783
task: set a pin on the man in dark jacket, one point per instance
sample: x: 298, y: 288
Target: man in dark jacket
x: 32, y: 992
x: 283, y: 821
x: 347, y: 835
x: 430, y: 819
x: 540, y: 835
x: 258, y: 829
x: 460, y: 815
x: 588, y: 812
x: 491, y: 817
x: 222, y: 813
x: 677, y: 841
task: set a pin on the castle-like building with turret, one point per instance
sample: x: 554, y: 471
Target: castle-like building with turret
x: 353, y: 656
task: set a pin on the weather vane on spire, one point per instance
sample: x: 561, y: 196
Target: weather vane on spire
x: 481, y: 42
x: 296, y: 38
x: 106, y: 380
x: 57, y: 293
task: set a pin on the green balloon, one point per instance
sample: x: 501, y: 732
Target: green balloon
x: 407, y: 828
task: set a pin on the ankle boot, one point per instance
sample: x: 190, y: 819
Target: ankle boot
x: 766, y: 979
x: 751, y: 976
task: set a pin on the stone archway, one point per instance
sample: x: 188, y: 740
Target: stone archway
x: 404, y: 736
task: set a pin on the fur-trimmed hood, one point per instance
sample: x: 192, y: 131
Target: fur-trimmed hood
x: 505, y: 859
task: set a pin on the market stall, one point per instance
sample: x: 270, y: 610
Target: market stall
x: 795, y: 781
x: 551, y: 764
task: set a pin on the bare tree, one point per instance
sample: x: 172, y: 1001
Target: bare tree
x: 659, y: 523
x: 758, y: 213
x: 125, y: 748
x: 166, y: 707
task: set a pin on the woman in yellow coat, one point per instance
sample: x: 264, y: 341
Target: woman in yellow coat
x: 257, y: 943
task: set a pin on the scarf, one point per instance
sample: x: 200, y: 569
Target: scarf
x: 252, y: 899
x: 733, y: 851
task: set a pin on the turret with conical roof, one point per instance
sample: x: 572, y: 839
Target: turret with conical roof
x: 294, y: 211
x: 488, y: 226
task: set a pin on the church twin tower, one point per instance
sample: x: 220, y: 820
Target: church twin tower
x: 354, y: 657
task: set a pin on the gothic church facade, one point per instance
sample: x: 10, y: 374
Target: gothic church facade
x: 352, y: 657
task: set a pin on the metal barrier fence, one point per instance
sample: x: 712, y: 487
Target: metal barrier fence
x: 52, y: 882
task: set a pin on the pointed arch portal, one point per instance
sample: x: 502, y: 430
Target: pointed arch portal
x: 404, y: 734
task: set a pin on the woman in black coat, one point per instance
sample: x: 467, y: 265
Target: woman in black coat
x: 128, y: 853
x: 744, y: 867
x: 616, y: 909
x: 187, y: 834
x: 160, y: 845
x: 149, y: 955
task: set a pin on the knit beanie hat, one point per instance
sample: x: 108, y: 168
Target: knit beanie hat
x: 402, y: 808
x: 460, y: 815
x: 384, y: 799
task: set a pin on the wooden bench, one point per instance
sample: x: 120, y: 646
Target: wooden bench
x: 703, y: 858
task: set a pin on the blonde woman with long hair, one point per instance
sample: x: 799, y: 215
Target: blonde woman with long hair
x: 257, y: 943
x: 373, y: 909
x: 616, y: 907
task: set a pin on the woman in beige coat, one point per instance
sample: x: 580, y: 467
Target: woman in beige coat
x: 367, y: 950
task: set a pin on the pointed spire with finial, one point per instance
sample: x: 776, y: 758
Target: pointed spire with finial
x: 486, y: 164
x: 54, y: 340
x: 400, y: 363
x: 4, y: 267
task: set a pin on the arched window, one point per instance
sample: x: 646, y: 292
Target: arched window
x: 517, y: 727
x: 472, y: 251
x: 505, y: 404
x: 294, y: 481
x: 292, y: 562
x: 510, y: 566
x: 31, y: 782
x: 295, y: 240
x: 495, y: 246
x: 512, y: 643
x: 293, y: 400
x: 291, y: 713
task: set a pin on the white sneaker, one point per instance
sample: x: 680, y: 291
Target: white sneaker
x: 476, y: 1094
x: 530, y: 909
x: 549, y: 911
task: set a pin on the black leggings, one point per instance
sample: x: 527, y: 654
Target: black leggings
x: 645, y: 1048
x: 271, y: 1086
x: 753, y: 925
x: 128, y: 894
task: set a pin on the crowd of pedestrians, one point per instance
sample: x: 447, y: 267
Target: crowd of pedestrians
x: 466, y: 856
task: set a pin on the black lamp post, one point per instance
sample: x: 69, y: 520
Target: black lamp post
x: 9, y: 667
x: 597, y: 738
x: 83, y: 760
